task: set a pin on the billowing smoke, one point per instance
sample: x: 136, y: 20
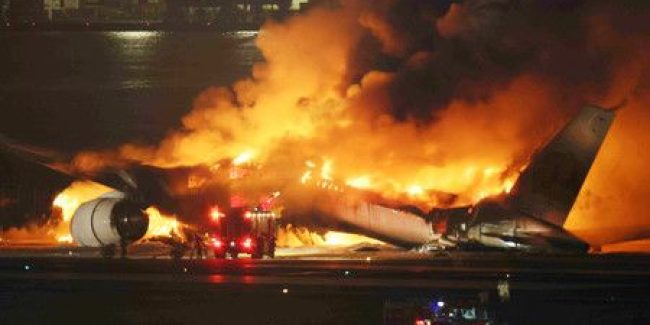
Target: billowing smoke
x: 429, y: 102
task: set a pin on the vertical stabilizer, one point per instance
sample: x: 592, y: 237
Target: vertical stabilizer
x: 548, y: 187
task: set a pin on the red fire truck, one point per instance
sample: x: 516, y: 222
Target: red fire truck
x: 242, y: 230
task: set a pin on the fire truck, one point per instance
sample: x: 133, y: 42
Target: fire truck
x: 243, y: 230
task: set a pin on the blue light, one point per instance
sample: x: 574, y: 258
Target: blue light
x: 436, y: 306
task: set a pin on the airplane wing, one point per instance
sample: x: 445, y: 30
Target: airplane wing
x: 27, y: 185
x: 31, y: 177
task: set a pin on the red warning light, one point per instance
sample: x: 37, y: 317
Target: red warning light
x: 216, y: 214
x: 247, y: 243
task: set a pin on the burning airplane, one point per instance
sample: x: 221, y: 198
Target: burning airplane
x: 530, y: 217
x: 405, y: 121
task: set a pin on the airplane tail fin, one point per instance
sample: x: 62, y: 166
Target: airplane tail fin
x: 549, y: 186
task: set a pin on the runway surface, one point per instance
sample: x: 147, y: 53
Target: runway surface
x: 357, y: 285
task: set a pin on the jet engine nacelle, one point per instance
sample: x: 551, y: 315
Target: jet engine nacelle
x: 108, y: 220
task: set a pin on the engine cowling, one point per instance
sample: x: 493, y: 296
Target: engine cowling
x: 108, y: 220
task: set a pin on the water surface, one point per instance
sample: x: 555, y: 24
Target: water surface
x: 81, y: 90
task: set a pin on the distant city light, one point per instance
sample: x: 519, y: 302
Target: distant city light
x: 295, y: 4
x: 134, y: 35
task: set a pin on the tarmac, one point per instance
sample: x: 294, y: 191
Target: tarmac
x: 316, y: 285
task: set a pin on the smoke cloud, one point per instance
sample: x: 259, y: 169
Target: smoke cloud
x: 420, y: 100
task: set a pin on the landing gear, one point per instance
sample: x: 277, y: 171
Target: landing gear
x: 108, y: 251
x: 123, y: 245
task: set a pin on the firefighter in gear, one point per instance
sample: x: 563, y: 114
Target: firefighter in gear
x: 197, y: 247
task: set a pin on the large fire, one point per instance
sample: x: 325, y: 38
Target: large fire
x: 162, y: 225
x: 293, y: 111
x: 292, y: 236
x: 69, y: 200
x: 426, y: 106
x: 79, y: 192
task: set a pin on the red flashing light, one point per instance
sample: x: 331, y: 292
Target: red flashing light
x: 247, y: 243
x: 248, y: 215
x: 217, y: 243
x: 420, y: 322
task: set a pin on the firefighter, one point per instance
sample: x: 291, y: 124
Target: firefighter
x: 178, y: 248
x: 198, y: 246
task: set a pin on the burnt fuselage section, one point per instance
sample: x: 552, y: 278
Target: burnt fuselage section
x: 494, y: 224
x: 529, y: 218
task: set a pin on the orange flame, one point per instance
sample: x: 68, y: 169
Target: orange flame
x: 162, y: 225
x: 79, y: 192
x: 337, y: 238
x: 76, y: 194
x: 291, y: 236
